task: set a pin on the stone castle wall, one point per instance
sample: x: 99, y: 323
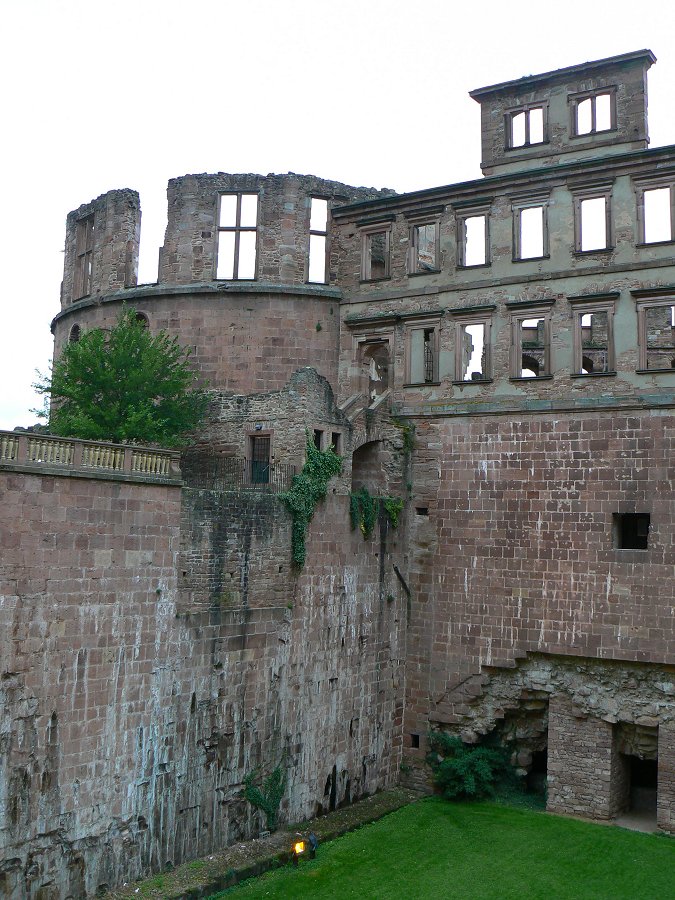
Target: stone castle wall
x: 134, y: 708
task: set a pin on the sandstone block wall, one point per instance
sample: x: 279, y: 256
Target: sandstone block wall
x: 189, y: 251
x: 132, y: 710
x: 241, y: 342
x: 117, y: 234
x: 523, y: 556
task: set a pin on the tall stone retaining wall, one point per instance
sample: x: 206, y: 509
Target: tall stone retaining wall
x: 131, y: 712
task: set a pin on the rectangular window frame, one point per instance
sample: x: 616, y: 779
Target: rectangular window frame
x: 641, y: 187
x: 315, y: 232
x: 258, y: 471
x: 600, y: 192
x: 575, y: 99
x: 84, y: 256
x: 517, y: 316
x: 517, y: 207
x: 413, y: 255
x: 237, y: 230
x: 665, y: 299
x: 582, y: 306
x: 461, y: 217
x: 526, y: 108
x: 428, y: 323
x: 367, y: 232
x: 462, y: 319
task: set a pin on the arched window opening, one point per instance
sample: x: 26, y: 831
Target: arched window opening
x: 74, y: 335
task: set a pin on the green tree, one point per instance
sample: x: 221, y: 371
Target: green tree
x: 124, y: 385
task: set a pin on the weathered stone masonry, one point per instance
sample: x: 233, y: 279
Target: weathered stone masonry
x: 157, y: 643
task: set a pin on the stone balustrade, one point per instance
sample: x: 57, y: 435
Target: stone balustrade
x: 30, y: 451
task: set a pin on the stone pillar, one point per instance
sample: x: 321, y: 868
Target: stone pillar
x: 585, y: 771
x: 665, y: 796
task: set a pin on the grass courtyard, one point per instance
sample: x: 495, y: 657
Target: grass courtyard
x: 436, y: 849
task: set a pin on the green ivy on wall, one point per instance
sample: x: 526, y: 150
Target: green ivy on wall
x: 306, y: 491
x: 363, y: 510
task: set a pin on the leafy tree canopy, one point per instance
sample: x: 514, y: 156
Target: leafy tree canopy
x: 124, y: 385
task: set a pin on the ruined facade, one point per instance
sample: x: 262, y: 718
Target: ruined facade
x: 500, y: 354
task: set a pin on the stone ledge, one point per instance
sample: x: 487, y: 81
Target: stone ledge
x: 225, y: 868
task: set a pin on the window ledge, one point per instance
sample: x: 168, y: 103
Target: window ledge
x: 592, y: 134
x: 670, y: 371
x: 592, y: 374
x: 478, y: 381
x: 485, y: 265
x: 599, y: 250
x: 529, y: 146
x: 526, y: 259
x: 536, y: 378
x: 645, y: 244
x: 375, y: 280
x: 421, y: 384
x: 427, y: 272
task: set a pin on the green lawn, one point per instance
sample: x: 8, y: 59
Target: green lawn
x: 434, y: 849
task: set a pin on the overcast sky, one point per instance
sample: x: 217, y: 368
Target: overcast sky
x: 129, y: 93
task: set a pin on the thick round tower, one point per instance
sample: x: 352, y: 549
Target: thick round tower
x: 245, y: 281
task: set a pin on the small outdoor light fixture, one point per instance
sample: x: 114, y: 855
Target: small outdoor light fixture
x: 258, y: 426
x: 299, y: 848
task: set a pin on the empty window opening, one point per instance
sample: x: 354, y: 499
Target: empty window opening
x: 658, y: 215
x: 414, y: 741
x: 631, y: 531
x: 260, y: 459
x: 336, y: 442
x: 593, y: 224
x: 530, y: 235
x: 142, y: 320
x: 473, y: 352
x: 237, y: 237
x: 593, y: 114
x: 594, y: 333
x: 527, y: 127
x: 74, y: 335
x: 318, y: 233
x: 375, y: 255
x: 375, y: 369
x: 84, y: 252
x: 425, y: 247
x: 533, y: 347
x: 318, y: 438
x: 421, y: 510
x: 659, y: 330
x: 422, y: 355
x: 474, y: 243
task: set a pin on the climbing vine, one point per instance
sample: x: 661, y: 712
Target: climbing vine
x: 393, y: 508
x: 363, y: 511
x: 266, y: 795
x: 306, y: 491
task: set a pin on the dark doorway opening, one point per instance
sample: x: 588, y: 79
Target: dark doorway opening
x: 536, y: 777
x: 643, y: 775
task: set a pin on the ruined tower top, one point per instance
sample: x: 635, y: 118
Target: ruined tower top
x: 596, y: 108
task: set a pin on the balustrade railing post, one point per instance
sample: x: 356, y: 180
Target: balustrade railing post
x: 78, y: 450
x: 22, y: 449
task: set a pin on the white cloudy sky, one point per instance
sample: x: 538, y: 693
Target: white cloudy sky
x: 128, y: 93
